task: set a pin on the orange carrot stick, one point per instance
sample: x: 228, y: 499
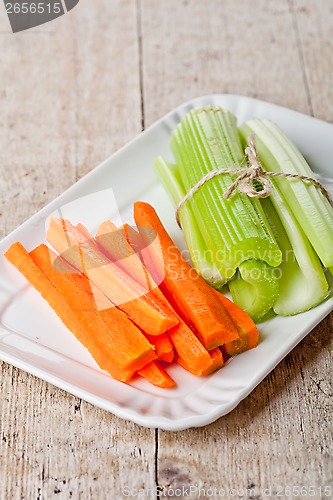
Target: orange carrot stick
x: 216, y: 363
x: 250, y: 336
x: 133, y: 267
x: 83, y: 230
x: 115, y: 247
x: 236, y: 346
x: 140, y: 242
x: 112, y: 241
x: 156, y: 375
x: 196, y: 300
x: 188, y: 347
x: 163, y: 346
x: 75, y: 322
x: 121, y: 341
x: 182, y: 336
x: 82, y: 252
x: 135, y: 239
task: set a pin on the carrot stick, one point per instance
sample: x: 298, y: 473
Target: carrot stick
x: 83, y: 230
x: 140, y: 242
x: 156, y: 375
x: 121, y: 340
x: 236, y: 346
x: 135, y: 239
x: 216, y: 363
x: 135, y: 267
x: 116, y: 248
x: 163, y: 347
x: 82, y: 252
x: 196, y: 300
x: 126, y: 227
x: 113, y: 246
x: 250, y: 336
x: 189, y: 349
x: 112, y: 241
x: 73, y: 320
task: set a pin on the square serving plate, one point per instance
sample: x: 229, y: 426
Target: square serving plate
x: 33, y: 338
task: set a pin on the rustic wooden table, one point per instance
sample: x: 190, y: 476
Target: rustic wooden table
x: 71, y: 93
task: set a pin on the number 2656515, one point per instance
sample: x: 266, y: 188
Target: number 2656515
x: 33, y: 8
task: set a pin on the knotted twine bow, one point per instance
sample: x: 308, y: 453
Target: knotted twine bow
x: 249, y: 179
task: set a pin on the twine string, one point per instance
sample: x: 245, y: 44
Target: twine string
x: 249, y: 179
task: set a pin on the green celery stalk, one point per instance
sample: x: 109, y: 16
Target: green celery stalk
x: 201, y: 257
x: 235, y: 230
x: 308, y: 204
x: 302, y: 281
x: 255, y: 288
x: 258, y: 296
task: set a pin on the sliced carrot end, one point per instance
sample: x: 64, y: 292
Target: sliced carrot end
x: 156, y: 375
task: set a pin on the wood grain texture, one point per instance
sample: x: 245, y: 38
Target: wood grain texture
x: 54, y: 445
x: 37, y: 117
x: 70, y: 95
x: 314, y: 29
x: 196, y: 48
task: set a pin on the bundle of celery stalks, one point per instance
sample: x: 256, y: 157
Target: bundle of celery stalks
x: 274, y: 252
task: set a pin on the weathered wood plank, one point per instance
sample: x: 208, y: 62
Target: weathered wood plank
x: 313, y: 20
x: 196, y: 48
x: 55, y: 444
x: 37, y: 118
x: 107, y: 80
x: 69, y: 97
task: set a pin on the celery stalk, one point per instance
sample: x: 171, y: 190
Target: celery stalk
x: 258, y: 294
x: 302, y: 281
x: 235, y: 230
x: 255, y: 288
x: 310, y: 207
x: 200, y: 256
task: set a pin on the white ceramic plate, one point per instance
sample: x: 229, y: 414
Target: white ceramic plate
x: 34, y: 339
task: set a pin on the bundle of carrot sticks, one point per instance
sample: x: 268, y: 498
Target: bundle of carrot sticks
x: 132, y: 299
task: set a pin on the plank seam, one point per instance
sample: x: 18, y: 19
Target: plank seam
x: 156, y: 464
x: 140, y: 50
x: 301, y: 54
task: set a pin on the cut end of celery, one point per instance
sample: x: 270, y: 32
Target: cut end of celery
x: 297, y: 294
x: 302, y: 281
x: 255, y: 288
